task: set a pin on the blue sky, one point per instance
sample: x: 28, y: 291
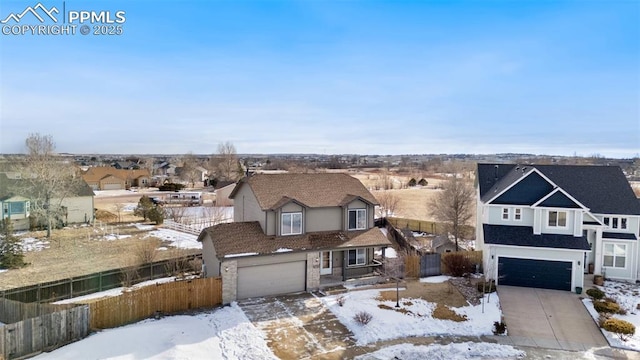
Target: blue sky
x: 365, y: 77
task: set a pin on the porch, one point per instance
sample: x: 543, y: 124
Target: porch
x: 361, y: 275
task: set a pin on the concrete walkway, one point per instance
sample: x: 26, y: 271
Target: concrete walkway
x: 551, y: 319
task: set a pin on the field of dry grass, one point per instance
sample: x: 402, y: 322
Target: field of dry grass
x: 80, y: 251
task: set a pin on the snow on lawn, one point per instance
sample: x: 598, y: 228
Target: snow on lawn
x: 468, y: 350
x: 31, y: 244
x: 390, y: 324
x: 224, y: 333
x: 627, y: 295
x: 435, y: 279
x: 176, y: 238
x: 114, y: 292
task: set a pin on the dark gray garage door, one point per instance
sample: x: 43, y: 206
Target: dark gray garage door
x: 543, y: 274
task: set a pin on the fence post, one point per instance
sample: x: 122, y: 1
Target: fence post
x: 100, y: 281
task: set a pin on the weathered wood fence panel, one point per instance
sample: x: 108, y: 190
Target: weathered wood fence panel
x: 37, y: 327
x: 435, y: 264
x: 96, y: 282
x: 426, y: 226
x: 150, y: 300
x: 430, y: 265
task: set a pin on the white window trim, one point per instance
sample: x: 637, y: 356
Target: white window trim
x: 517, y: 212
x: 618, y: 221
x: 364, y: 258
x: 357, y: 211
x: 505, y: 211
x: 282, y: 223
x: 615, y: 256
x: 566, y: 218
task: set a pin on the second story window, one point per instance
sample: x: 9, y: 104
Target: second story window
x: 615, y: 222
x: 292, y: 223
x: 357, y: 219
x: 557, y: 219
x: 517, y: 214
x: 505, y: 213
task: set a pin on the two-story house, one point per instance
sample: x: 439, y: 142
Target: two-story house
x: 292, y: 233
x: 546, y: 225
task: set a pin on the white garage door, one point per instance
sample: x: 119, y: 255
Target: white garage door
x: 115, y: 186
x: 273, y: 279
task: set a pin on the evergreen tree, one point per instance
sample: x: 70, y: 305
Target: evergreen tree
x: 11, y: 256
x: 145, y: 205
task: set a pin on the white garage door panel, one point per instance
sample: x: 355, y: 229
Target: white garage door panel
x: 274, y: 279
x: 112, y: 187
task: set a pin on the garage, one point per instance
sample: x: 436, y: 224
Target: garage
x: 271, y: 279
x: 544, y: 274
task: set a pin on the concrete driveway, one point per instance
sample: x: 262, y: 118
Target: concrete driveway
x: 299, y: 327
x: 551, y: 319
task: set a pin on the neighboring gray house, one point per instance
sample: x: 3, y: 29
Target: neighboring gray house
x: 17, y: 205
x: 542, y: 225
x: 292, y: 233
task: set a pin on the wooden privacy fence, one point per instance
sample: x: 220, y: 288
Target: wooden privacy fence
x: 32, y: 328
x: 96, y: 282
x: 421, y: 265
x: 151, y: 300
x: 426, y: 226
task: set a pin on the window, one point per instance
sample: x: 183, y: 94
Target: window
x: 17, y: 207
x: 517, y: 214
x: 357, y: 219
x: 505, y: 213
x: 606, y: 221
x: 616, y: 222
x: 615, y: 255
x: 27, y: 206
x: 357, y: 257
x: 291, y: 223
x: 557, y: 218
x: 623, y: 223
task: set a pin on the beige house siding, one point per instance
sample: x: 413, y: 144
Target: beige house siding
x: 246, y: 207
x: 209, y: 258
x: 324, y: 219
x: 79, y: 209
x: 222, y: 195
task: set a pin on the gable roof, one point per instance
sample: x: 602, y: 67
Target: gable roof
x: 97, y: 173
x: 248, y: 238
x: 312, y: 190
x: 13, y: 187
x: 602, y: 189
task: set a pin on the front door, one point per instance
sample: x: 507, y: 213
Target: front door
x: 325, y: 263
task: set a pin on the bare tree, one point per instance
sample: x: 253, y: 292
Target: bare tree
x: 388, y: 203
x: 189, y: 171
x: 47, y: 179
x: 453, y: 205
x: 225, y: 163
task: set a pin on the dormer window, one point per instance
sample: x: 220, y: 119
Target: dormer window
x: 357, y: 219
x: 557, y: 219
x: 292, y: 223
x: 613, y: 222
x: 505, y: 213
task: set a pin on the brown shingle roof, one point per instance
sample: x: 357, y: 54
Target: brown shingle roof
x: 97, y: 173
x: 248, y: 238
x: 312, y: 190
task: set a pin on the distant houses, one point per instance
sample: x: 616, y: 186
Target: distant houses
x: 110, y: 178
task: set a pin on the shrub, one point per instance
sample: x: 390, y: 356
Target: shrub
x: 458, y: 264
x: 622, y: 328
x: 596, y: 294
x: 486, y: 287
x: 171, y: 187
x: 341, y: 300
x: 412, y: 182
x: 156, y: 215
x: 11, y: 256
x: 363, y: 317
x: 606, y: 307
x: 499, y: 328
x: 423, y: 182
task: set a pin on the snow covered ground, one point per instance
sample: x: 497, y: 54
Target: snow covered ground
x: 627, y: 295
x: 468, y: 350
x: 176, y: 238
x: 114, y: 292
x: 224, y: 333
x: 388, y: 323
